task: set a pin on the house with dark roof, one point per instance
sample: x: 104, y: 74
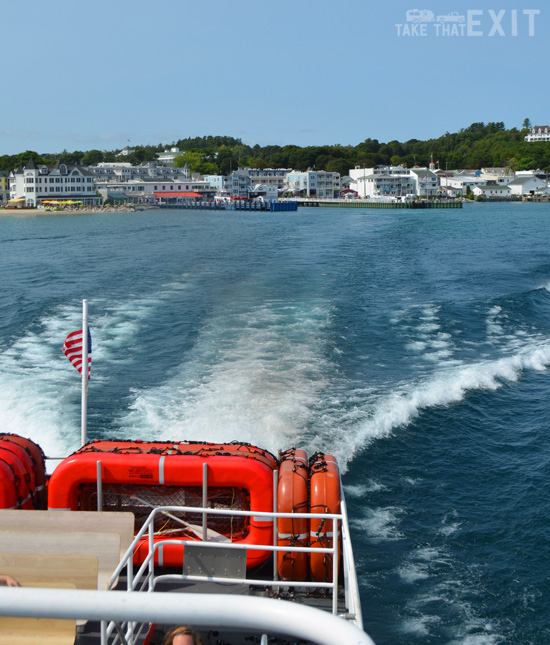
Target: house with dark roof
x: 33, y: 185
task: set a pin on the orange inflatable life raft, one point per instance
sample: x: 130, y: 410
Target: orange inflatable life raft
x: 8, y: 488
x: 292, y: 497
x: 325, y: 495
x: 21, y: 465
x: 138, y: 476
x: 34, y: 463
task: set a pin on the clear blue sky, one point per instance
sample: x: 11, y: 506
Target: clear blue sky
x: 83, y: 75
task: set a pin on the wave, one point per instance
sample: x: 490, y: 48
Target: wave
x: 446, y: 386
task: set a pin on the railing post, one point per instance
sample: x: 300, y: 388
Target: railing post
x: 335, y: 566
x: 99, y: 488
x: 275, y: 521
x: 204, y: 501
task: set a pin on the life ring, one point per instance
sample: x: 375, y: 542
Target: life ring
x: 324, y: 483
x: 38, y: 467
x: 137, y: 476
x: 292, y: 497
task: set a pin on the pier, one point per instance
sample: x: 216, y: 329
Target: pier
x: 372, y: 203
x: 237, y: 205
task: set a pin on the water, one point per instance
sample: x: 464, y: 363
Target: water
x: 413, y: 345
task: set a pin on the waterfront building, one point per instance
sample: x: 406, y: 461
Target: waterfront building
x: 313, y: 183
x: 148, y: 191
x: 493, y: 190
x: 242, y: 182
x: 394, y: 182
x: 538, y: 133
x: 528, y: 185
x: 34, y: 185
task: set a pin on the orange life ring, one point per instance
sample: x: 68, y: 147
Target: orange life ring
x: 132, y: 472
x: 38, y: 466
x: 292, y: 497
x: 324, y: 482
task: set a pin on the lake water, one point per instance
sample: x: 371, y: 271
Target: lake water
x: 413, y: 345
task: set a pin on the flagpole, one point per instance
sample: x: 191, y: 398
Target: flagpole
x: 84, y: 404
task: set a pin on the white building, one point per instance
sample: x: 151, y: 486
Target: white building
x: 32, y: 186
x: 538, y: 133
x: 313, y: 183
x: 394, y: 182
x: 492, y: 191
x: 167, y: 157
x: 528, y: 185
x: 242, y: 182
x: 152, y: 192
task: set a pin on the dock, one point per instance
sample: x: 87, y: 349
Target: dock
x: 372, y: 203
x: 237, y: 205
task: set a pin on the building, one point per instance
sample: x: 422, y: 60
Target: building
x: 148, y: 191
x: 493, y: 191
x: 4, y: 186
x: 167, y: 157
x: 528, y: 185
x: 244, y: 181
x: 33, y: 185
x: 394, y: 182
x: 313, y: 183
x: 538, y: 133
x: 123, y: 171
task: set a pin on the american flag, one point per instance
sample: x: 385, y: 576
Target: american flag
x: 72, y: 348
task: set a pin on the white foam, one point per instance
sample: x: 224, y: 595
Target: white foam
x: 446, y: 386
x: 252, y: 376
x: 380, y: 524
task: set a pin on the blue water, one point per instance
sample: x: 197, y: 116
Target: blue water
x: 413, y: 345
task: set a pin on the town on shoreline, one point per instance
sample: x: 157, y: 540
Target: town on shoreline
x: 168, y: 181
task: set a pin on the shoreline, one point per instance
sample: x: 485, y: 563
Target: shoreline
x: 40, y: 212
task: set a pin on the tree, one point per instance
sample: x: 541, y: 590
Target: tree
x: 526, y: 124
x: 92, y: 158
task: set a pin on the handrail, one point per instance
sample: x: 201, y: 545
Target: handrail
x: 256, y: 614
x: 146, y: 580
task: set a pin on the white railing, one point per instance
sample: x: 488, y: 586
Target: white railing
x: 147, y: 577
x: 259, y: 615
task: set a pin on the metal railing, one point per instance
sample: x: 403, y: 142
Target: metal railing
x: 147, y: 577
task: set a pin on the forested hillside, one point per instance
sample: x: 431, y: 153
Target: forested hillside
x: 479, y: 145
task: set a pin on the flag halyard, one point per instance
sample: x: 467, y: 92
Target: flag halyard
x: 72, y: 348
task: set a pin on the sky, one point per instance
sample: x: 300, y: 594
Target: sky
x: 107, y: 74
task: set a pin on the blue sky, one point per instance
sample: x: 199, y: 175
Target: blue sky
x: 89, y: 75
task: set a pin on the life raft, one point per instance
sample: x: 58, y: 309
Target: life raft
x: 22, y: 477
x: 138, y: 476
x: 325, y: 497
x: 292, y: 497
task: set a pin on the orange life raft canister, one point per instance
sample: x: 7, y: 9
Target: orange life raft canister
x: 35, y: 464
x: 292, y: 497
x: 139, y: 476
x: 324, y: 481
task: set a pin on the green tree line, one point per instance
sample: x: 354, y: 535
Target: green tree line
x: 477, y: 146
